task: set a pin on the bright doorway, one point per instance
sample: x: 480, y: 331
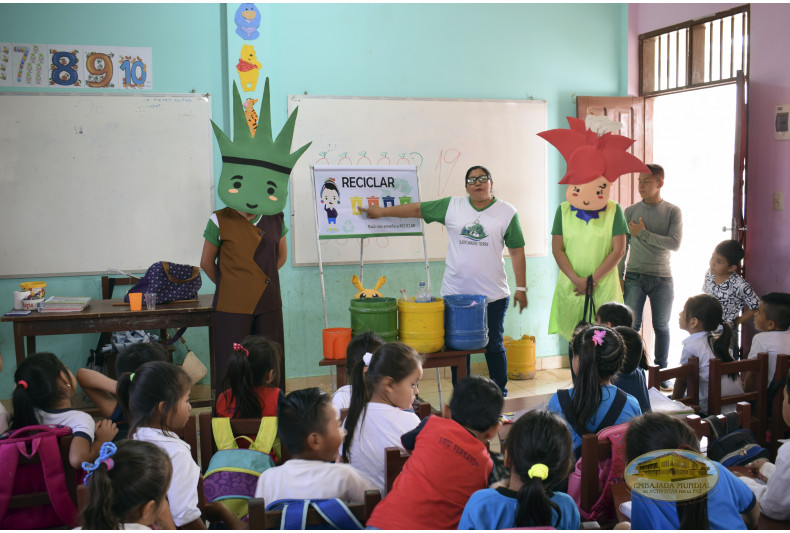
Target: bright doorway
x: 693, y: 139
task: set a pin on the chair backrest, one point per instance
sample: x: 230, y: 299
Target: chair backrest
x: 777, y: 424
x: 260, y: 518
x: 394, y: 459
x: 189, y: 435
x: 702, y: 428
x: 690, y: 371
x: 759, y: 397
x: 108, y: 285
x: 602, y: 463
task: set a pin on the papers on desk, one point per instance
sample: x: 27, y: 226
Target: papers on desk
x: 660, y: 403
x: 64, y: 304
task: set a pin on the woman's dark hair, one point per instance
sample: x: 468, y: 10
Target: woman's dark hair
x: 133, y: 356
x: 658, y: 431
x: 597, y: 364
x: 730, y: 250
x: 539, y: 437
x: 140, y: 393
x: 616, y: 314
x: 707, y: 309
x: 245, y: 372
x: 477, y: 167
x: 363, y: 343
x: 299, y: 414
x: 140, y: 472
x: 393, y: 360
x: 40, y: 388
x: 634, y: 349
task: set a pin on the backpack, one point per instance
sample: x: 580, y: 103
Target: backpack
x: 233, y: 472
x: 334, y: 511
x: 22, y: 474
x: 730, y: 446
x: 610, y: 471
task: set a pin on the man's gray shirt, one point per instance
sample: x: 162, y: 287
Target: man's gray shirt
x: 648, y: 253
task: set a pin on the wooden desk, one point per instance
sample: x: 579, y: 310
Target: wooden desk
x: 102, y: 315
x: 456, y: 358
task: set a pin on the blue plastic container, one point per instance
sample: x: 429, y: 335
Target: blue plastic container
x: 465, y: 322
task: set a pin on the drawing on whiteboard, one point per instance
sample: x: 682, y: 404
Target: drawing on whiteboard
x: 364, y: 157
x: 330, y: 198
x: 323, y: 160
x: 344, y: 159
x: 415, y: 157
x: 384, y: 160
x: 449, y: 156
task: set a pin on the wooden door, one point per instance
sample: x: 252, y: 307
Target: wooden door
x: 739, y: 228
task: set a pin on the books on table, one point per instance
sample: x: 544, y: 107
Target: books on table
x: 64, y: 304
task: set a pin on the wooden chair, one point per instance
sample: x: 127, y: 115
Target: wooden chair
x: 701, y: 427
x: 690, y: 371
x: 394, y: 459
x: 759, y: 398
x: 594, y: 450
x: 776, y: 425
x: 260, y: 518
x: 189, y: 435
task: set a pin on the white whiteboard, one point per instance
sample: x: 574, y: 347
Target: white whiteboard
x: 443, y: 138
x: 91, y: 181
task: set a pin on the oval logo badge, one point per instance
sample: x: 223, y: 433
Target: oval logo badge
x: 671, y: 475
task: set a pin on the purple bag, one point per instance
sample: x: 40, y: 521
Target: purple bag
x: 170, y: 282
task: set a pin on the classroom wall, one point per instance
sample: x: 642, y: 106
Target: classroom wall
x: 544, y: 51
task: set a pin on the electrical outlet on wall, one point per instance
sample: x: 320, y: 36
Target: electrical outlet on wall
x: 779, y: 201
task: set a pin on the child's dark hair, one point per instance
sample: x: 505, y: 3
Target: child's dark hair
x: 659, y: 431
x: 37, y: 381
x: 657, y: 171
x: 539, y: 438
x: 597, y: 364
x: 140, y: 472
x: 616, y: 314
x: 245, y: 372
x: 730, y: 250
x: 635, y: 356
x: 140, y: 393
x: 707, y: 309
x: 134, y: 356
x: 363, y: 343
x: 476, y: 403
x: 777, y: 309
x: 299, y: 414
x: 477, y: 167
x: 393, y: 360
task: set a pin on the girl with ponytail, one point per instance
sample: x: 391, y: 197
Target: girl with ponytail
x: 594, y: 403
x: 540, y: 455
x: 247, y: 388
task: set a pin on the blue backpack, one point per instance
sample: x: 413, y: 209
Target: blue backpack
x: 334, y: 511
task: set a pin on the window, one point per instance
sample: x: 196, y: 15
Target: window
x: 698, y: 53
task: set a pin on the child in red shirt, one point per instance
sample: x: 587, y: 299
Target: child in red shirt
x: 252, y: 367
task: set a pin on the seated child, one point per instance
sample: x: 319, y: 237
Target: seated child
x: 101, y: 389
x: 631, y: 378
x: 309, y: 428
x: 539, y: 452
x: 731, y: 505
x: 44, y: 387
x: 448, y: 463
x: 701, y: 316
x: 376, y: 417
x: 774, y: 497
x: 594, y: 403
x: 360, y: 348
x: 771, y: 320
x: 247, y: 391
x: 613, y: 314
x: 723, y: 282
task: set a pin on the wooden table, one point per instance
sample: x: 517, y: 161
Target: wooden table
x: 102, y: 315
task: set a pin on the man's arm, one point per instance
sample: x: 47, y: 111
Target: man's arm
x: 670, y: 241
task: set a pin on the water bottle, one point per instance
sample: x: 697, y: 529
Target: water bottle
x: 403, y: 297
x: 423, y: 295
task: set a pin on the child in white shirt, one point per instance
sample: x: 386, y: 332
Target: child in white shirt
x: 772, y: 320
x: 358, y: 350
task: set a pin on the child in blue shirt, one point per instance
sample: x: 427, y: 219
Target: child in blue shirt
x: 631, y: 378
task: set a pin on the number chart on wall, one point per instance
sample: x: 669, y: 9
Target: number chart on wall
x: 442, y: 138
x: 75, y: 66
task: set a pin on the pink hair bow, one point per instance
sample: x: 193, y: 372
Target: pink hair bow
x: 239, y: 348
x: 598, y: 336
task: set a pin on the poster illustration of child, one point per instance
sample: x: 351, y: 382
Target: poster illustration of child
x: 330, y: 198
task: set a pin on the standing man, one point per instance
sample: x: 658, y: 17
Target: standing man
x: 655, y: 228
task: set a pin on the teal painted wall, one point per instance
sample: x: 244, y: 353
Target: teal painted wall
x: 545, y: 51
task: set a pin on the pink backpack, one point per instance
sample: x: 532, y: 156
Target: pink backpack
x: 610, y: 471
x: 32, y: 463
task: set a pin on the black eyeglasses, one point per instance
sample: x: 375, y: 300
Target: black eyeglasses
x: 479, y: 179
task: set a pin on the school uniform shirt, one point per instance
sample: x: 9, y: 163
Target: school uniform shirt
x: 476, y: 240
x: 630, y: 410
x: 634, y: 384
x: 380, y: 426
x: 81, y: 423
x: 302, y: 479
x: 772, y: 343
x: 697, y: 344
x: 496, y: 509
x: 268, y: 398
x: 447, y: 465
x: 774, y: 497
x: 733, y: 294
x: 341, y: 399
x: 183, y: 491
x: 726, y: 502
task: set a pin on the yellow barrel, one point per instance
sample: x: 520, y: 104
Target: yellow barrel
x: 421, y: 325
x: 520, y: 357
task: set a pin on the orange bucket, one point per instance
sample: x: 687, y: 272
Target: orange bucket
x: 335, y: 342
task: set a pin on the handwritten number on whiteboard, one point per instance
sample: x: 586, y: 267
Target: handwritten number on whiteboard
x: 447, y: 160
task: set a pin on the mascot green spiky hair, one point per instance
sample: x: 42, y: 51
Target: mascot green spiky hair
x: 255, y: 169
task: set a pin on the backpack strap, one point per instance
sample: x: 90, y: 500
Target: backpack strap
x: 267, y: 433
x: 337, y: 514
x: 731, y: 419
x: 55, y: 478
x: 223, y: 434
x: 564, y: 396
x: 9, y: 458
x: 294, y: 515
x: 717, y: 429
x: 618, y: 404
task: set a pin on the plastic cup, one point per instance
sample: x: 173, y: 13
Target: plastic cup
x: 150, y: 300
x: 136, y: 301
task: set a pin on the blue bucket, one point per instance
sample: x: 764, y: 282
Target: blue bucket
x: 465, y: 321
